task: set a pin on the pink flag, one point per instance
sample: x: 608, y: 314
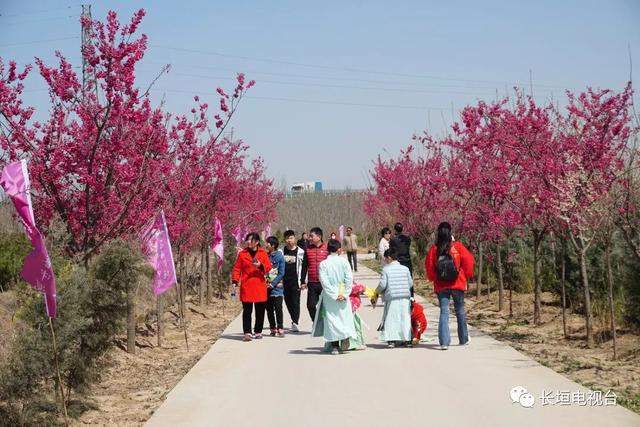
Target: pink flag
x: 341, y: 233
x: 218, y: 243
x: 157, y: 248
x: 37, y: 269
x: 267, y: 231
x: 239, y: 236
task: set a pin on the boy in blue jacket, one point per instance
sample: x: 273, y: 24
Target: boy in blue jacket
x: 275, y: 287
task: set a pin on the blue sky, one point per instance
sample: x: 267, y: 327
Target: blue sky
x: 340, y: 82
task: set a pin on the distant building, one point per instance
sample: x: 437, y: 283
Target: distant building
x: 307, y: 187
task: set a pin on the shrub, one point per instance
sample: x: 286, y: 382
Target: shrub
x: 13, y: 248
x: 92, y: 310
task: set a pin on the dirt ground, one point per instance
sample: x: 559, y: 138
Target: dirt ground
x: 133, y: 386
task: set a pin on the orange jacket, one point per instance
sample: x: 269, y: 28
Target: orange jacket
x: 253, y: 285
x: 463, y: 260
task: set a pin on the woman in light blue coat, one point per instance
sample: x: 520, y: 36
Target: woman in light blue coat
x: 395, y: 286
x: 334, y: 317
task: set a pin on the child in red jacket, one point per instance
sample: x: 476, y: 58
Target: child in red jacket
x: 418, y: 322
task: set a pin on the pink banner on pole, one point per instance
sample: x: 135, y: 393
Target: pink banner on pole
x: 341, y: 233
x: 157, y: 249
x: 239, y: 234
x: 218, y: 243
x: 37, y: 269
x: 267, y: 231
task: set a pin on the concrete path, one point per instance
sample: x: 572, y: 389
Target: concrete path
x: 289, y: 382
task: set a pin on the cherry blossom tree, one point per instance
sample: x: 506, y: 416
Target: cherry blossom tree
x: 591, y: 138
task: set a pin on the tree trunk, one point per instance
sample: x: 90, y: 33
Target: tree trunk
x: 500, y: 279
x: 553, y: 253
x: 607, y: 256
x: 488, y: 283
x: 587, y: 296
x: 207, y: 254
x: 479, y: 280
x: 160, y: 316
x: 537, y: 239
x: 563, y: 273
x: 202, y: 281
x: 131, y: 319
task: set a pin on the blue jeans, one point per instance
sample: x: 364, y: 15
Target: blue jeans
x: 444, y: 297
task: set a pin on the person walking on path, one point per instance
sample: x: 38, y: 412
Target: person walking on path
x: 334, y: 317
x: 385, y: 236
x: 395, y: 285
x: 402, y: 244
x: 276, y: 287
x: 315, y: 253
x: 350, y: 243
x: 249, y: 272
x: 293, y: 257
x: 448, y: 265
x: 304, y: 241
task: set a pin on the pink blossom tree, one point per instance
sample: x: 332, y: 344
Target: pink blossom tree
x: 591, y: 139
x: 94, y: 159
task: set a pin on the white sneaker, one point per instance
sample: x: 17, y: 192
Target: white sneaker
x: 335, y: 351
x: 294, y: 327
x: 444, y: 347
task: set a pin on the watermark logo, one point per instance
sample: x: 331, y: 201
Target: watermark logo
x: 520, y: 395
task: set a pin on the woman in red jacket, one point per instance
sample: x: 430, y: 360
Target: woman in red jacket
x: 249, y: 271
x: 448, y: 265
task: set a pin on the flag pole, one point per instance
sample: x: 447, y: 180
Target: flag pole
x: 160, y: 314
x: 57, y: 366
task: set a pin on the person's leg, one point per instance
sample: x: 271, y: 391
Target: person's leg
x: 270, y: 311
x: 277, y: 305
x: 247, y: 307
x: 295, y: 305
x: 461, y: 316
x: 349, y: 259
x: 443, y: 323
x: 288, y: 299
x: 292, y: 301
x: 355, y: 261
x: 313, y: 293
x: 260, y: 307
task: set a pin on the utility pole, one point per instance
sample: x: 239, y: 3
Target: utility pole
x: 85, y: 36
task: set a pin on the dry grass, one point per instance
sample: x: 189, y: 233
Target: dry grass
x: 134, y: 386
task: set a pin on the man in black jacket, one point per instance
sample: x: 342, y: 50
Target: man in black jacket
x: 402, y: 244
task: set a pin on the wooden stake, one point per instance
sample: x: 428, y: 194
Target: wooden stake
x: 160, y: 314
x: 57, y: 366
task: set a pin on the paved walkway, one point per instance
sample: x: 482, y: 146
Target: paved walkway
x: 289, y: 382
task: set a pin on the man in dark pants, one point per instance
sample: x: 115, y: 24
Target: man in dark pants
x: 350, y: 244
x: 315, y: 253
x: 293, y: 258
x: 402, y: 244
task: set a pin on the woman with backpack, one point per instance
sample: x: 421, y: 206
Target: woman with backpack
x: 448, y: 265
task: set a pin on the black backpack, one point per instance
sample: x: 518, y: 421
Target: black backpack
x: 446, y: 269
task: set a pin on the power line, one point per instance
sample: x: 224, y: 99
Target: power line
x: 329, y: 67
x: 2, y: 15
x: 308, y: 101
x: 40, y: 41
x: 58, y: 18
x: 382, y: 89
x: 331, y: 78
